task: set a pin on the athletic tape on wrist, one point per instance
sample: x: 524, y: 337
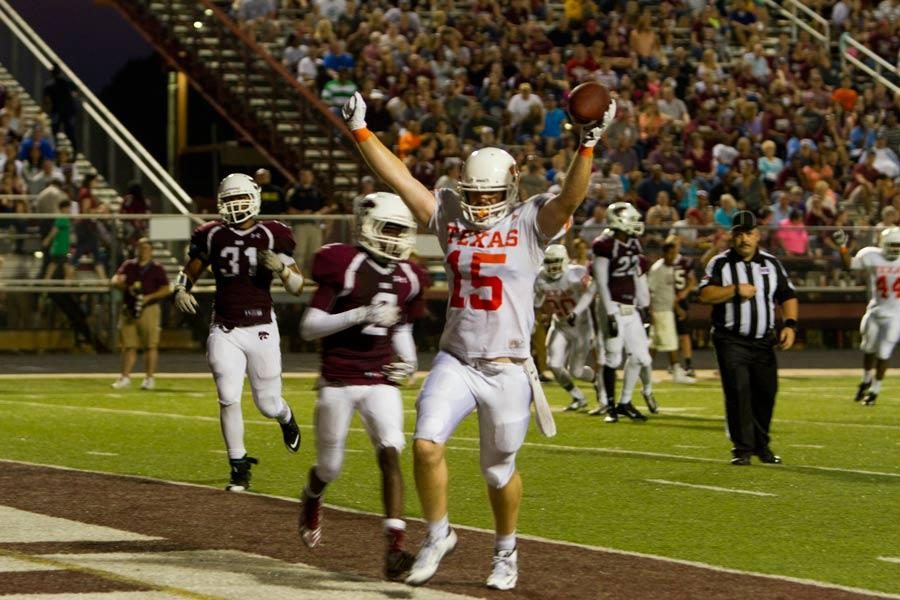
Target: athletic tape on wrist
x: 361, y: 135
x: 586, y: 151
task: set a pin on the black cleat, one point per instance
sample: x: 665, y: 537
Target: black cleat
x: 740, y: 461
x: 870, y: 398
x: 240, y: 473
x: 601, y: 410
x: 861, y: 391
x: 652, y: 406
x: 291, y: 434
x: 690, y: 372
x: 768, y: 457
x: 397, y: 564
x: 630, y: 411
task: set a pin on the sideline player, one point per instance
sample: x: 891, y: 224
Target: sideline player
x: 493, y: 247
x: 362, y: 311
x: 685, y: 283
x: 243, y: 254
x: 619, y: 269
x: 880, y: 326
x: 560, y: 290
x: 663, y: 280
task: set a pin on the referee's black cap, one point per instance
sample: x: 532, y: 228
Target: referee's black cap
x: 744, y: 220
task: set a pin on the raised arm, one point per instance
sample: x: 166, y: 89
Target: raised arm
x: 555, y: 213
x: 386, y: 165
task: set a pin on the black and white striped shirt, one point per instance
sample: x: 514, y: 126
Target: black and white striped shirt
x: 753, y: 318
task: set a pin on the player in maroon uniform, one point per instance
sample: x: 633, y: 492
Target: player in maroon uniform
x: 619, y: 268
x: 685, y: 283
x: 368, y: 296
x: 243, y: 254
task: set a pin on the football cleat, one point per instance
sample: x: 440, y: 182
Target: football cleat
x: 310, y: 520
x: 870, y: 398
x: 291, y: 434
x: 504, y: 570
x: 601, y: 410
x: 680, y: 376
x: 240, y: 473
x: 148, y: 384
x: 430, y: 555
x: 861, y: 391
x: 577, y: 404
x: 630, y: 411
x: 652, y: 406
x: 612, y: 414
x: 768, y: 457
x: 690, y: 372
x: 397, y: 564
x: 121, y: 383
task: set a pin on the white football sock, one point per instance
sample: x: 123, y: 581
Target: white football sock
x: 875, y: 387
x: 505, y: 543
x: 868, y: 375
x: 232, y: 421
x: 439, y: 529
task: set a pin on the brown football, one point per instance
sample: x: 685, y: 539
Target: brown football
x: 587, y: 102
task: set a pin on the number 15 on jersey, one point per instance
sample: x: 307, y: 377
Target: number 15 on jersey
x: 479, y: 292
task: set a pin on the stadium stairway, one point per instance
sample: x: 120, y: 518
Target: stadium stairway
x: 285, y: 122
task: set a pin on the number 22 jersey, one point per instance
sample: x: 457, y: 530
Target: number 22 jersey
x: 242, y: 298
x: 490, y: 274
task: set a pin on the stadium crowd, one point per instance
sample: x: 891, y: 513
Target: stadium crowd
x: 719, y: 109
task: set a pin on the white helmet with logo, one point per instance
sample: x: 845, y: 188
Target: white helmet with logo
x: 489, y: 170
x: 556, y: 259
x: 385, y: 226
x: 622, y: 216
x: 238, y: 198
x: 890, y: 243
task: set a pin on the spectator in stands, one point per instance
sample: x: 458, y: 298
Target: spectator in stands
x: 781, y: 210
x: 13, y: 110
x: 60, y: 103
x: 271, y: 196
x: 88, y: 232
x: 769, y: 165
x: 294, y: 51
x: 37, y: 139
x: 37, y: 180
x: 134, y: 202
x: 48, y: 201
x: 595, y: 224
x: 886, y: 161
x: 257, y: 18
x: 338, y: 90
x: 759, y: 64
x: 144, y: 284
x: 751, y: 190
x: 644, y: 42
x: 791, y: 236
x: 668, y: 158
x: 552, y: 128
x: 56, y: 244
x: 650, y: 187
x: 521, y: 107
x: 533, y: 179
x: 661, y: 217
x: 845, y: 95
x: 688, y: 229
x: 306, y: 199
x: 336, y: 58
x: 673, y: 108
x: 726, y: 211
x: 889, y: 218
x: 333, y: 10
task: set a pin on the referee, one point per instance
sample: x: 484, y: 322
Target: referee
x: 743, y: 284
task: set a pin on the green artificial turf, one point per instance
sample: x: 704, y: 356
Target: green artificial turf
x: 833, y: 508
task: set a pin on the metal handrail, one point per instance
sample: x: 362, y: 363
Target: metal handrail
x: 847, y: 40
x: 98, y: 112
x: 822, y: 36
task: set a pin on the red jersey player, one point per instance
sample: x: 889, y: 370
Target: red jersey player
x: 368, y: 296
x: 243, y: 254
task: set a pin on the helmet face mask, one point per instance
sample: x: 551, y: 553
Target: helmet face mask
x: 238, y: 199
x: 487, y: 173
x: 890, y: 243
x: 622, y: 216
x: 385, y: 227
x: 556, y: 259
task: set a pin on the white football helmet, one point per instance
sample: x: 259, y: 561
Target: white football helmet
x: 556, y: 259
x: 622, y: 216
x: 890, y: 243
x: 489, y: 170
x: 238, y: 198
x: 385, y: 226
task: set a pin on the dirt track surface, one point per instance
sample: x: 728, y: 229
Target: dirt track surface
x: 195, y: 518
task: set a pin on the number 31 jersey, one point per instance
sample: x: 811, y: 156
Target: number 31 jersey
x: 243, y: 298
x: 490, y: 274
x: 883, y: 279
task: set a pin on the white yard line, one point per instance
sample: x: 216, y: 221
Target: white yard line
x: 539, y: 445
x: 711, y: 488
x: 890, y: 559
x: 813, y: 446
x: 97, y: 453
x: 690, y: 563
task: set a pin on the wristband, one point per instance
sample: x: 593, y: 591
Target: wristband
x: 792, y: 323
x: 586, y: 151
x: 361, y: 135
x: 183, y: 281
x: 843, y: 249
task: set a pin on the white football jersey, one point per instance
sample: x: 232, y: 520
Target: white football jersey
x: 883, y: 278
x: 490, y: 276
x: 560, y: 296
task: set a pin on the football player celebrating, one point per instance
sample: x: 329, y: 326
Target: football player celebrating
x: 243, y: 254
x: 565, y: 291
x: 619, y: 270
x: 493, y: 247
x: 362, y: 311
x: 880, y: 325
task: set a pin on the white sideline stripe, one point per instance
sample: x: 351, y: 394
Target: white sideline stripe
x: 542, y: 446
x: 690, y: 563
x: 712, y: 488
x: 690, y: 447
x: 890, y: 559
x: 24, y: 527
x: 97, y: 453
x: 807, y: 422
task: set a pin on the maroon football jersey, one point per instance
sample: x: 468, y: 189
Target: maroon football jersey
x: 242, y: 283
x: 349, y: 278
x: 682, y: 268
x: 626, y: 262
x: 141, y: 279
